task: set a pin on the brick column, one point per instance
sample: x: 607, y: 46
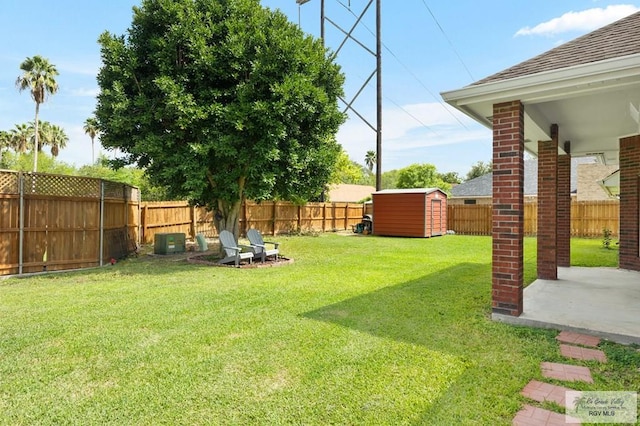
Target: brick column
x: 548, y: 208
x: 629, y: 211
x: 508, y: 208
x: 564, y: 208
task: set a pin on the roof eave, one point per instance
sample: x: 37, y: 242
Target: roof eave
x: 546, y: 86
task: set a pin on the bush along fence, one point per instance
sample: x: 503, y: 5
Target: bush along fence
x: 269, y: 217
x: 588, y: 218
x: 52, y: 222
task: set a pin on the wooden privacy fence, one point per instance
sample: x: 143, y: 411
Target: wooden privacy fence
x: 270, y: 218
x: 53, y: 222
x: 588, y: 218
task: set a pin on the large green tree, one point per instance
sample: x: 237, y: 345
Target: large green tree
x: 39, y: 77
x: 221, y: 100
x: 480, y: 168
x: 421, y: 176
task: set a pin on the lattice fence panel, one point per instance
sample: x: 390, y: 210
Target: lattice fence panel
x: 9, y: 183
x: 114, y: 190
x: 61, y: 186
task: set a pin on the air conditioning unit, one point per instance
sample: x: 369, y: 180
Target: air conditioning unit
x: 169, y: 243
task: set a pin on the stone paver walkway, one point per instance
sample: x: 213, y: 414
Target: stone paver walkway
x: 541, y: 392
x: 572, y: 346
x: 578, y: 339
x: 534, y: 416
x: 577, y: 352
x: 566, y: 372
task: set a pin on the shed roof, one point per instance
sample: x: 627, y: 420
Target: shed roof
x: 409, y: 191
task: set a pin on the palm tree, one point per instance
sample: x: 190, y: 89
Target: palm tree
x: 91, y: 128
x: 58, y: 140
x: 39, y: 76
x: 370, y: 160
x: 44, y: 134
x: 5, y: 140
x: 21, y: 137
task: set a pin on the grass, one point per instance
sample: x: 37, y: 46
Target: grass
x: 358, y: 330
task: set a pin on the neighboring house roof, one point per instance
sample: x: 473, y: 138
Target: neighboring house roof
x: 615, y: 40
x: 482, y: 186
x: 347, y: 193
x: 409, y: 191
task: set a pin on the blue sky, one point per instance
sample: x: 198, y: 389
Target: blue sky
x: 422, y: 56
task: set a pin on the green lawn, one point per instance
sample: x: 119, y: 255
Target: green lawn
x: 358, y: 330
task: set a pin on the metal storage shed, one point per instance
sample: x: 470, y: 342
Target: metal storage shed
x: 419, y: 212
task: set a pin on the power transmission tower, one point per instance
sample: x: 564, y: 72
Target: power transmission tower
x: 377, y: 53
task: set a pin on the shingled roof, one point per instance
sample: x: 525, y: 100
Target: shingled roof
x: 621, y: 38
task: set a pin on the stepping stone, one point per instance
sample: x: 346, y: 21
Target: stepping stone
x: 576, y: 352
x: 578, y: 339
x: 541, y: 392
x: 534, y: 416
x: 568, y: 373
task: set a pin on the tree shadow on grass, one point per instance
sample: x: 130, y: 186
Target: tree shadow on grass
x: 448, y: 312
x: 428, y: 311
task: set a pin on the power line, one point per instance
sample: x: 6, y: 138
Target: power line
x: 448, y: 40
x: 436, y: 98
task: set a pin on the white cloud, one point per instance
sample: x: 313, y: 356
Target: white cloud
x: 83, y: 92
x: 586, y: 20
x: 405, y: 139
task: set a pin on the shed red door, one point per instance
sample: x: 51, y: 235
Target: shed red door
x: 436, y: 217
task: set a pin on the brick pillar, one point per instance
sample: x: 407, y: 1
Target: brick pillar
x: 629, y: 211
x: 508, y: 208
x: 564, y: 208
x: 548, y: 207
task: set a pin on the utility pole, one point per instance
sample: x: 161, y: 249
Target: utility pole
x: 378, y: 72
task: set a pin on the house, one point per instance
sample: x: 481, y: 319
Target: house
x: 586, y: 183
x: 347, y: 193
x: 578, y: 99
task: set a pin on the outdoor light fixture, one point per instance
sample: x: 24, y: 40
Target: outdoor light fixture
x: 301, y: 1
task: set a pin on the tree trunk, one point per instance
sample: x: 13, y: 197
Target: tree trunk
x: 227, y: 217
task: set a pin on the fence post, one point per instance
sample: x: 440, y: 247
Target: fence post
x: 275, y: 217
x: 21, y: 225
x: 324, y: 217
x: 346, y: 216
x: 299, y: 218
x: 101, y: 249
x: 192, y: 213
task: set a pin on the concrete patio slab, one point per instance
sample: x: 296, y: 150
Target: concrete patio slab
x: 603, y: 302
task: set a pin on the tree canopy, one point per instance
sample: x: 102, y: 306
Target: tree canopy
x: 421, y: 176
x: 221, y: 100
x: 480, y: 169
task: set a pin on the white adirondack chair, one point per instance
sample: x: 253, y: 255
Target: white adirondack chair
x: 232, y: 250
x: 259, y: 246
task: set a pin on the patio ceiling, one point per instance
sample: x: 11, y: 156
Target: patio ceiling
x: 593, y: 104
